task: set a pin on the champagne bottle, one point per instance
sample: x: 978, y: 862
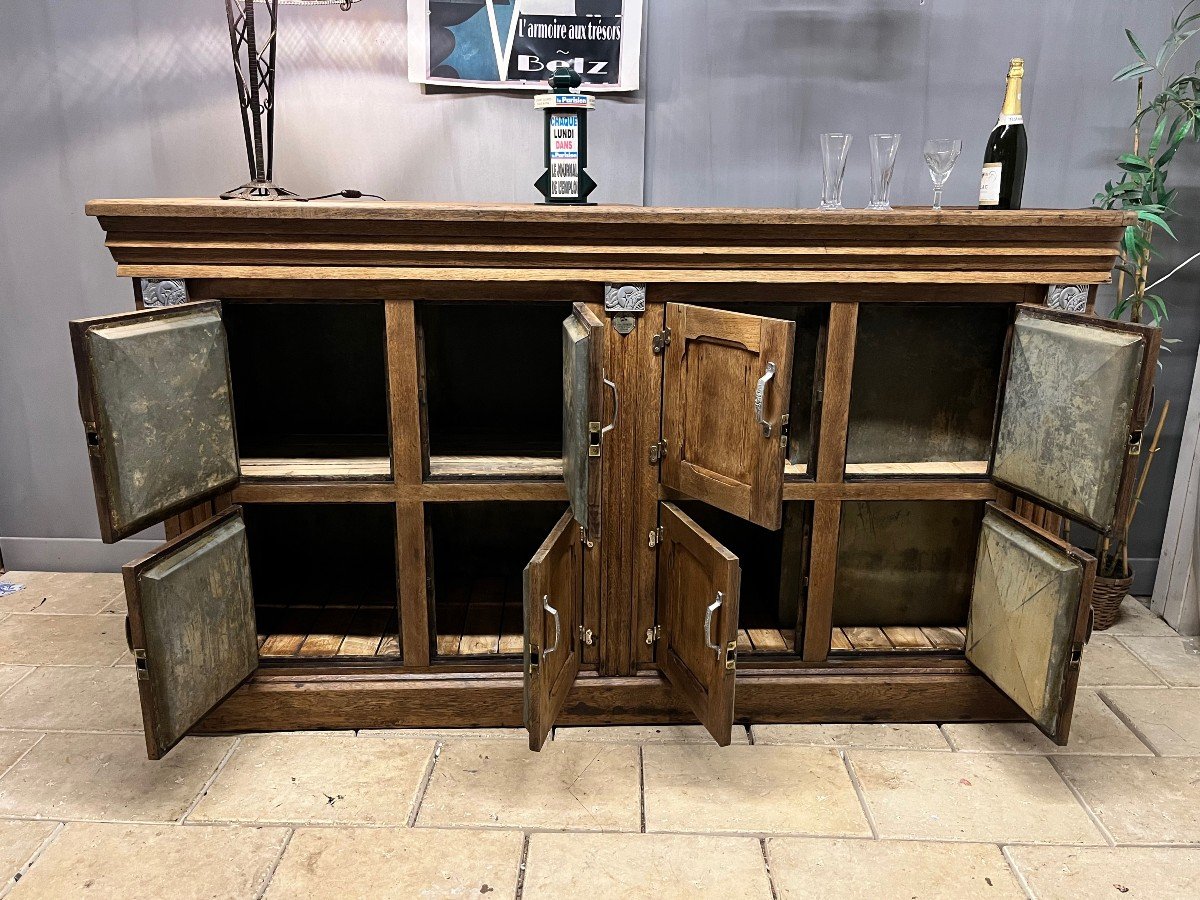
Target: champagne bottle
x: 1003, y: 176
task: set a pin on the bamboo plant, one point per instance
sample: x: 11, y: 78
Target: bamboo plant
x: 1167, y: 112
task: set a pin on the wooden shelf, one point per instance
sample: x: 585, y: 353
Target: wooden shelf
x: 314, y: 632
x: 494, y: 467
x: 976, y: 468
x: 897, y: 638
x: 766, y: 640
x: 795, y: 470
x: 357, y: 468
x: 483, y: 617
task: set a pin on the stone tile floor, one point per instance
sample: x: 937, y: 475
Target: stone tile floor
x: 790, y: 811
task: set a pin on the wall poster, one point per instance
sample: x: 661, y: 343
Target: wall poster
x: 517, y: 44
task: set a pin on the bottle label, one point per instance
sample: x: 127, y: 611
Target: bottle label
x: 1018, y: 119
x: 989, y: 184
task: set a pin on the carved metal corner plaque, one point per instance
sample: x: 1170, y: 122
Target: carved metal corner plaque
x: 1068, y: 297
x: 157, y: 293
x: 624, y: 302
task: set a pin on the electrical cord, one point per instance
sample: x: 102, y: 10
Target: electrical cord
x: 349, y: 194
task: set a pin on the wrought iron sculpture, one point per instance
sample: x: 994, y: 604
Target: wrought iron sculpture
x: 254, y: 65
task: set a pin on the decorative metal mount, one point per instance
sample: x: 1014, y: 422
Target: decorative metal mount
x: 624, y: 302
x: 254, y: 66
x: 156, y: 293
x: 1068, y: 297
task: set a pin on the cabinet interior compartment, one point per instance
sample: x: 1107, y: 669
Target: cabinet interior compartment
x: 492, y: 388
x: 807, y: 364
x: 773, y: 565
x: 924, y: 389
x: 324, y: 578
x: 310, y: 389
x: 904, y: 571
x: 476, y: 553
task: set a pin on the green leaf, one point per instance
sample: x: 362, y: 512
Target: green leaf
x: 1156, y: 140
x: 1131, y: 163
x: 1133, y: 71
x: 1136, y: 49
x: 1146, y: 216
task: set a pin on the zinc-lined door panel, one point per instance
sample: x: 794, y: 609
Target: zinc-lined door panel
x: 726, y: 389
x: 192, y: 626
x: 1076, y: 398
x: 698, y: 592
x: 553, y: 583
x: 1028, y: 620
x: 156, y: 401
x: 583, y: 383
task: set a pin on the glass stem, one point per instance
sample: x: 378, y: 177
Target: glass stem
x: 937, y: 199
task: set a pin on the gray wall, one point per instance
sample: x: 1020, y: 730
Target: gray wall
x: 135, y: 98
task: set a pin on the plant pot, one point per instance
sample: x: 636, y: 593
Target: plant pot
x: 1107, y: 596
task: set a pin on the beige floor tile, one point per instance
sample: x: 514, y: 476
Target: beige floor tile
x: 10, y: 675
x: 970, y: 797
x: 1175, y: 660
x: 1107, y: 661
x: 78, y: 593
x: 448, y: 734
x: 750, y: 790
x: 644, y: 867
x: 71, y: 698
x: 33, y: 581
x: 803, y: 868
x: 14, y: 745
x: 1131, y: 873
x: 1167, y: 718
x: 317, y: 779
x: 398, y: 863
x: 153, y: 861
x: 107, y: 777
x: 35, y: 640
x: 1140, y: 800
x: 18, y: 842
x: 647, y: 734
x: 503, y: 784
x: 1137, y: 619
x: 898, y: 737
x: 1094, y: 729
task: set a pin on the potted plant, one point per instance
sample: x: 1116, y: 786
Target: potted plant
x: 1166, y: 116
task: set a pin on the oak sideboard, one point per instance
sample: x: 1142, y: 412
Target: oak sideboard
x: 451, y: 465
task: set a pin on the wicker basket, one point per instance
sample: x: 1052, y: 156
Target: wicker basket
x: 1107, y: 596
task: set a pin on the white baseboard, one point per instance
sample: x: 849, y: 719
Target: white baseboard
x: 70, y: 554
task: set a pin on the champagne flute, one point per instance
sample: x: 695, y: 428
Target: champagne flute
x: 940, y: 155
x: 883, y: 162
x: 835, y: 147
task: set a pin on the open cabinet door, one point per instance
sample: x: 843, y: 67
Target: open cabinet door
x: 1029, y: 617
x: 698, y: 586
x: 157, y: 408
x: 191, y: 626
x: 553, y: 613
x: 583, y: 383
x: 1075, y: 402
x: 727, y: 383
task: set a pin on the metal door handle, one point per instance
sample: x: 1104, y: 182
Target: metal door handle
x: 708, y: 614
x: 616, y: 405
x: 557, y: 625
x: 760, y: 396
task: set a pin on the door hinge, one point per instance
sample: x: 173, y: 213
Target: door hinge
x: 1076, y: 656
x: 784, y: 423
x: 658, y: 452
x: 1135, y: 443
x: 584, y: 539
x: 585, y: 635
x: 93, y: 438
x: 139, y: 663
x: 593, y: 438
x: 731, y: 656
x: 653, y: 634
x: 661, y: 341
x: 656, y: 536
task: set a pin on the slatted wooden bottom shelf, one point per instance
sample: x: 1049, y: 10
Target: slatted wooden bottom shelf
x: 766, y: 640
x: 327, y: 631
x: 896, y: 638
x: 483, y: 616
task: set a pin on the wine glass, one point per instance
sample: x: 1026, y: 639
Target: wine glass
x: 940, y: 155
x: 835, y: 147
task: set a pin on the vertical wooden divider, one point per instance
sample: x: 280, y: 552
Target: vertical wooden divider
x: 646, y: 406
x: 618, y: 552
x: 831, y: 468
x: 408, y: 466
